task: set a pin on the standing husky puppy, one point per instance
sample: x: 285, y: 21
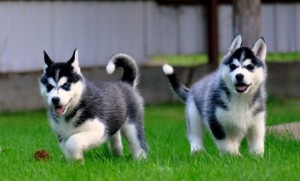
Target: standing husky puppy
x: 230, y: 102
x: 85, y: 114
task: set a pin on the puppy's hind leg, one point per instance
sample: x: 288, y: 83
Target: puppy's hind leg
x: 115, y: 144
x: 134, y: 133
x: 195, y: 127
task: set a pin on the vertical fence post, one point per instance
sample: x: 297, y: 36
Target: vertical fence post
x: 247, y: 20
x: 212, y: 20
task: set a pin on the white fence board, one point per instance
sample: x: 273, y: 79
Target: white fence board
x: 296, y: 34
x: 225, y: 27
x: 163, y: 30
x: 268, y: 26
x: 192, y: 21
x: 98, y: 30
x: 284, y: 27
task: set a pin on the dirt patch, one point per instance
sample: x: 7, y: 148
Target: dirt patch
x: 292, y: 129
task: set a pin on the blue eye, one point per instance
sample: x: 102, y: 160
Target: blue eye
x: 66, y: 86
x: 250, y: 67
x: 49, y: 87
x: 232, y: 67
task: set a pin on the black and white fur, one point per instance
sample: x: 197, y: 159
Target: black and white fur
x: 85, y: 114
x: 230, y: 102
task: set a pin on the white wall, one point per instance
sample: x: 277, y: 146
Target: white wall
x: 141, y: 29
x: 97, y: 29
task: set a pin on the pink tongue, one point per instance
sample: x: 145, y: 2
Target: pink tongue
x: 59, y: 110
x: 241, y: 87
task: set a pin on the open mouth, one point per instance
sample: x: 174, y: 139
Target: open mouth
x: 241, y: 87
x: 59, y: 110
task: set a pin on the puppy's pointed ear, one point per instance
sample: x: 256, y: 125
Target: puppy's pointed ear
x: 47, y: 60
x: 260, y: 48
x: 236, y: 43
x: 74, y: 61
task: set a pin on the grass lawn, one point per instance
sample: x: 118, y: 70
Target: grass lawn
x: 195, y: 59
x: 21, y: 134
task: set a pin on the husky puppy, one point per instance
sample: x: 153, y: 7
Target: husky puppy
x: 230, y: 102
x: 84, y: 114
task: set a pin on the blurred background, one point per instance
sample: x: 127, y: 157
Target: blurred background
x: 150, y: 31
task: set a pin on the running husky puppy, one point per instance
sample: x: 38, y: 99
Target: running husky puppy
x: 85, y: 114
x: 230, y: 102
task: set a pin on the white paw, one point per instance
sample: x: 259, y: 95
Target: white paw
x: 258, y: 152
x: 74, y: 150
x: 117, y: 151
x: 140, y: 155
x: 196, y: 149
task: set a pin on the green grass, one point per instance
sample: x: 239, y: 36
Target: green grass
x: 21, y: 134
x: 189, y: 60
x: 284, y: 57
x: 196, y: 59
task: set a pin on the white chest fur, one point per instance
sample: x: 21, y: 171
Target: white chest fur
x: 66, y: 128
x: 238, y: 117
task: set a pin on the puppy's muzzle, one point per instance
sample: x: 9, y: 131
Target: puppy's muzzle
x: 239, y: 77
x: 58, y: 109
x: 240, y: 86
x: 55, y: 101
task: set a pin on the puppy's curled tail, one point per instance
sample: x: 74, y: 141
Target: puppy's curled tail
x: 125, y: 61
x: 180, y: 89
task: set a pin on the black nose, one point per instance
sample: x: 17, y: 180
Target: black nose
x: 55, y: 101
x: 239, y: 77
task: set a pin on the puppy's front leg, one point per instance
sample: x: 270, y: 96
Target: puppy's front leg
x: 79, y: 142
x: 256, y: 138
x: 62, y: 145
x: 228, y: 146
